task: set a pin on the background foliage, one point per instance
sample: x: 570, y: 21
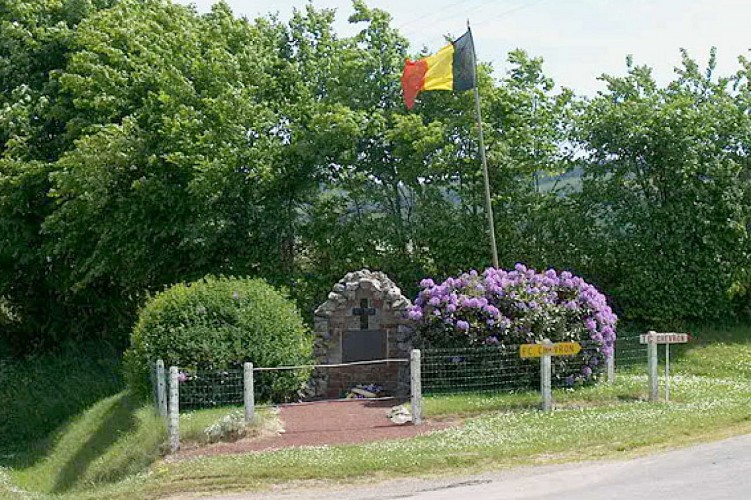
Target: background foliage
x: 143, y: 144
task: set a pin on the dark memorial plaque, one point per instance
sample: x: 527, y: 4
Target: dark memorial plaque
x: 363, y: 345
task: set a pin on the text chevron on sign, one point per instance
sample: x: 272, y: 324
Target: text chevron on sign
x: 664, y: 338
x: 557, y: 349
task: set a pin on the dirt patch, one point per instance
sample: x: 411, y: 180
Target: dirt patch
x: 325, y: 423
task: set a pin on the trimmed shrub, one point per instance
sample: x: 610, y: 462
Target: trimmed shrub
x: 508, y: 308
x: 220, y: 323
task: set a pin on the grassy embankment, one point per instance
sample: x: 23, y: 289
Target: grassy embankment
x: 39, y: 394
x: 115, y: 439
x: 711, y: 394
x: 66, y: 424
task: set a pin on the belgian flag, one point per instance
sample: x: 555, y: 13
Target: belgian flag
x: 451, y: 68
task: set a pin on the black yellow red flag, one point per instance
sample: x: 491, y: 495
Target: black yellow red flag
x: 451, y: 68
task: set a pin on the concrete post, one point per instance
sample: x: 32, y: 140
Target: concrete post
x: 161, y: 388
x: 667, y: 373
x: 546, y: 375
x: 610, y: 362
x: 249, y: 396
x: 416, y: 386
x: 173, y: 422
x: 652, y: 368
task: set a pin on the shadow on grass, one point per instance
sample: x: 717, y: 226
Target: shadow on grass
x: 40, y: 394
x: 120, y: 419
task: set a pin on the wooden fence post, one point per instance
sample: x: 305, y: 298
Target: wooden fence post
x: 416, y: 386
x: 249, y: 396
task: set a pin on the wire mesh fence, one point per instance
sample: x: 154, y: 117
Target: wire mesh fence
x: 485, y: 369
x: 447, y: 370
x: 482, y: 369
x: 212, y: 388
x: 209, y: 388
x: 630, y: 354
x: 476, y: 369
x: 502, y: 369
x: 586, y: 368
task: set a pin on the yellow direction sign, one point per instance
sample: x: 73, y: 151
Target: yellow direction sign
x: 557, y: 349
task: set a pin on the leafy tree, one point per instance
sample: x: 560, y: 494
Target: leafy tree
x: 173, y: 137
x: 666, y: 187
x: 408, y: 198
x: 35, y: 39
x: 144, y: 144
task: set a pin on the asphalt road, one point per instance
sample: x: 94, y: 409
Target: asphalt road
x: 719, y: 470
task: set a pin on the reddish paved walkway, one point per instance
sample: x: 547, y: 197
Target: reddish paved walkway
x: 316, y: 424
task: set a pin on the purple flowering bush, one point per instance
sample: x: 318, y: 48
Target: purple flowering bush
x: 508, y: 308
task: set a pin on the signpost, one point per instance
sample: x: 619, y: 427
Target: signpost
x: 652, y: 339
x: 545, y: 351
x: 557, y: 349
x: 664, y: 338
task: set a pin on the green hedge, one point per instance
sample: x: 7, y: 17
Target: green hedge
x: 218, y: 323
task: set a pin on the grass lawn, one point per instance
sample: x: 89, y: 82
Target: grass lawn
x: 711, y: 393
x: 115, y: 439
x: 448, y: 406
x: 708, y: 408
x: 712, y: 352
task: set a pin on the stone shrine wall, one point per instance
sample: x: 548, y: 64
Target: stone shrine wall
x: 363, y: 319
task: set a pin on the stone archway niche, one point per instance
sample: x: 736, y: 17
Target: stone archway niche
x: 363, y: 319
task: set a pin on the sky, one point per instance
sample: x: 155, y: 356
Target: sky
x: 578, y: 39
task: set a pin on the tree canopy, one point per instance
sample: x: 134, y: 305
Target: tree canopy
x: 144, y: 144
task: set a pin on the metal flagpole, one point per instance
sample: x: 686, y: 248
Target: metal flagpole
x: 488, y: 205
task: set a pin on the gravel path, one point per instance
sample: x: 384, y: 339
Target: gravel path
x: 316, y: 424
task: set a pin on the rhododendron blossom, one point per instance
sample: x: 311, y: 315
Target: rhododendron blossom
x: 510, y: 307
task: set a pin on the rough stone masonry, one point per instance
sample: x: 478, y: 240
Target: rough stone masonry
x: 363, y: 319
